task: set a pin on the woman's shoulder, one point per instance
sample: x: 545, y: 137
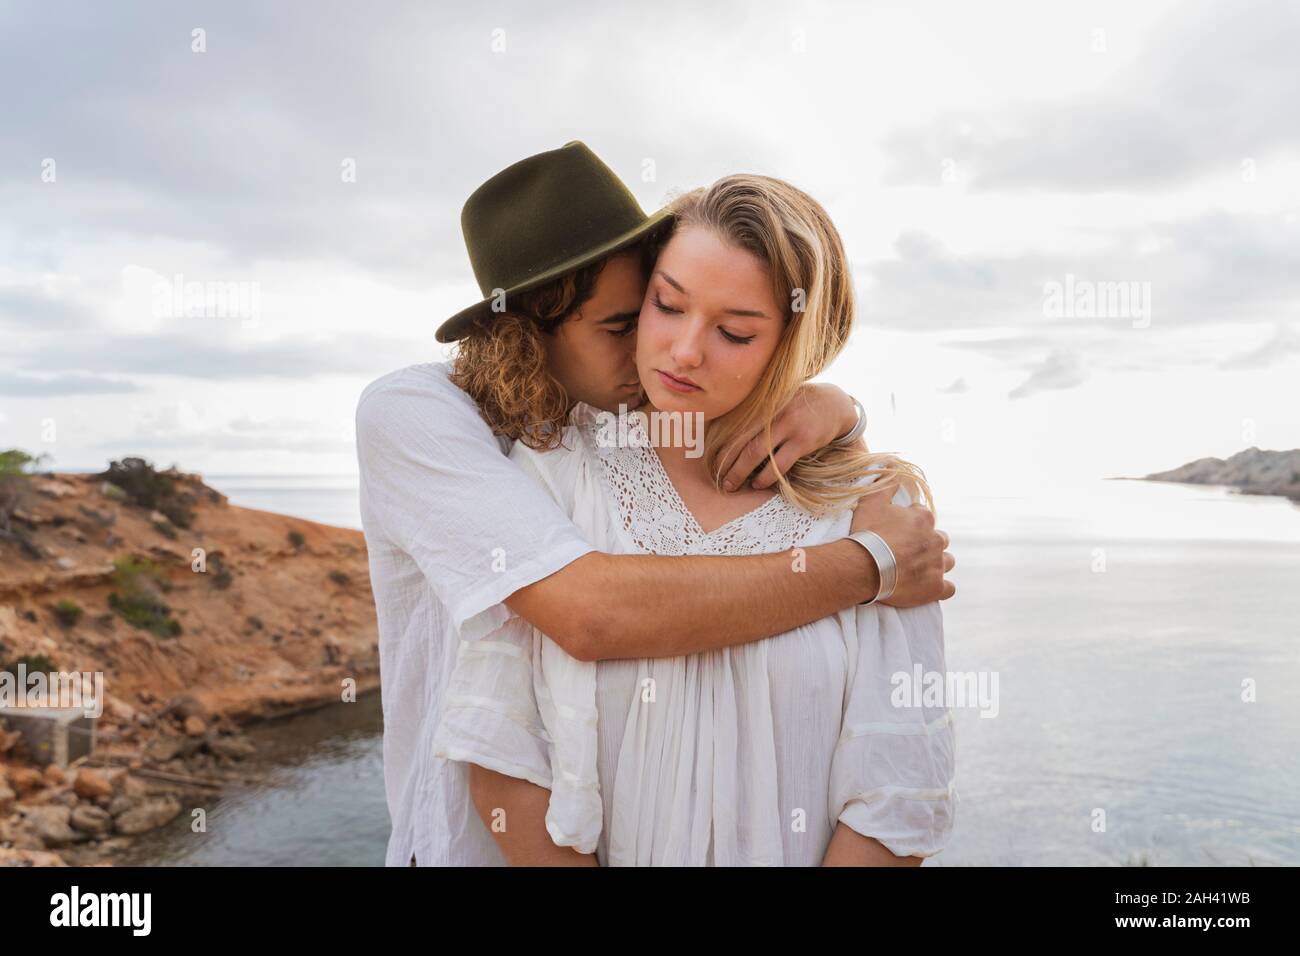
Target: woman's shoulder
x: 902, y: 496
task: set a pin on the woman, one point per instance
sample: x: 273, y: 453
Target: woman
x: 796, y: 750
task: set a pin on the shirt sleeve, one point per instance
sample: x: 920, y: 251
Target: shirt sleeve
x: 520, y: 705
x: 491, y: 717
x: 435, y: 480
x: 892, y: 774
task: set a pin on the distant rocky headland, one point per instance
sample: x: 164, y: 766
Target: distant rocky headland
x: 197, y: 615
x: 1253, y: 472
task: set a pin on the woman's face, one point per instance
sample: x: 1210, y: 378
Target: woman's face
x: 709, y: 325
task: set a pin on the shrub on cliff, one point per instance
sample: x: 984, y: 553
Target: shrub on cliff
x: 33, y: 663
x: 223, y: 578
x: 68, y: 612
x: 149, y: 488
x: 15, y: 487
x: 138, y: 597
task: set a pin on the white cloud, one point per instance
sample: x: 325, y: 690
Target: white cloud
x: 1284, y: 344
x: 1060, y: 369
x: 1171, y: 114
x: 225, y: 167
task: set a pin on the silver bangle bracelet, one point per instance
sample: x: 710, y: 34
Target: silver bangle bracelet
x: 856, y: 431
x: 883, y: 555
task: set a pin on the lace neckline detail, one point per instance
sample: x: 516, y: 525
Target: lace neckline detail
x: 655, y: 463
x: 658, y: 520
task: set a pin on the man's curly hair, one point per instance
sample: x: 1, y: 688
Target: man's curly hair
x: 501, y: 362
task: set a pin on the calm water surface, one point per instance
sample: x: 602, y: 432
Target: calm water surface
x: 1121, y: 619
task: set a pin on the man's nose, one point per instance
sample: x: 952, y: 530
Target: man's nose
x: 629, y: 350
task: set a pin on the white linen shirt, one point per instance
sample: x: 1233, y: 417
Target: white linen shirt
x: 453, y: 527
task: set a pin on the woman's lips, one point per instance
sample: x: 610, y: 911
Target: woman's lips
x: 676, y: 384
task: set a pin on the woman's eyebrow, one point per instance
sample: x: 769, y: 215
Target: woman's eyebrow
x: 672, y: 282
x: 751, y: 313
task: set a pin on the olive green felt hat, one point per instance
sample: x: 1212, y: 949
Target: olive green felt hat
x: 543, y: 218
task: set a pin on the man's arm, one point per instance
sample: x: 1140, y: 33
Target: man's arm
x: 631, y: 605
x: 604, y: 606
x: 514, y: 811
x: 848, y: 847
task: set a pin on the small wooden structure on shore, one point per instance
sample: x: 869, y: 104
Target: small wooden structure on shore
x: 53, y: 735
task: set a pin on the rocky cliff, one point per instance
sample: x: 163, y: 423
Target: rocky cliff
x: 1254, y: 471
x: 199, y: 614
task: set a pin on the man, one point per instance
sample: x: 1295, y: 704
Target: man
x: 459, y: 536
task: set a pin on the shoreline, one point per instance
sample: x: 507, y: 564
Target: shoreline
x: 1254, y: 471
x: 1236, y: 489
x: 202, y: 622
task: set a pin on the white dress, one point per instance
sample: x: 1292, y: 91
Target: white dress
x: 737, y: 757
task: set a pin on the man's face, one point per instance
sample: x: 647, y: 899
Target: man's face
x: 593, y: 352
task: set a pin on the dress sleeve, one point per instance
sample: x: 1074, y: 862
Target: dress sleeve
x: 892, y: 774
x: 436, y: 485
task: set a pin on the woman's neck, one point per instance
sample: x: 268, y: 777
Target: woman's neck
x: 679, y: 442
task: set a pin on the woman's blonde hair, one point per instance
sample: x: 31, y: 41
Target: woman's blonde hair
x: 794, y: 238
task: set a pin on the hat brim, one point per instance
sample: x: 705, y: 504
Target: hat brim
x: 459, y: 324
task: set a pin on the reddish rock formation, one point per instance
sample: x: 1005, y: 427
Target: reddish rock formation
x: 279, y: 634
x: 264, y: 624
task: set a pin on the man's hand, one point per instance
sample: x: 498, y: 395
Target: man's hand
x: 816, y: 416
x: 918, y: 548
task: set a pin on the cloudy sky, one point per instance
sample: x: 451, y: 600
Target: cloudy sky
x: 999, y: 173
